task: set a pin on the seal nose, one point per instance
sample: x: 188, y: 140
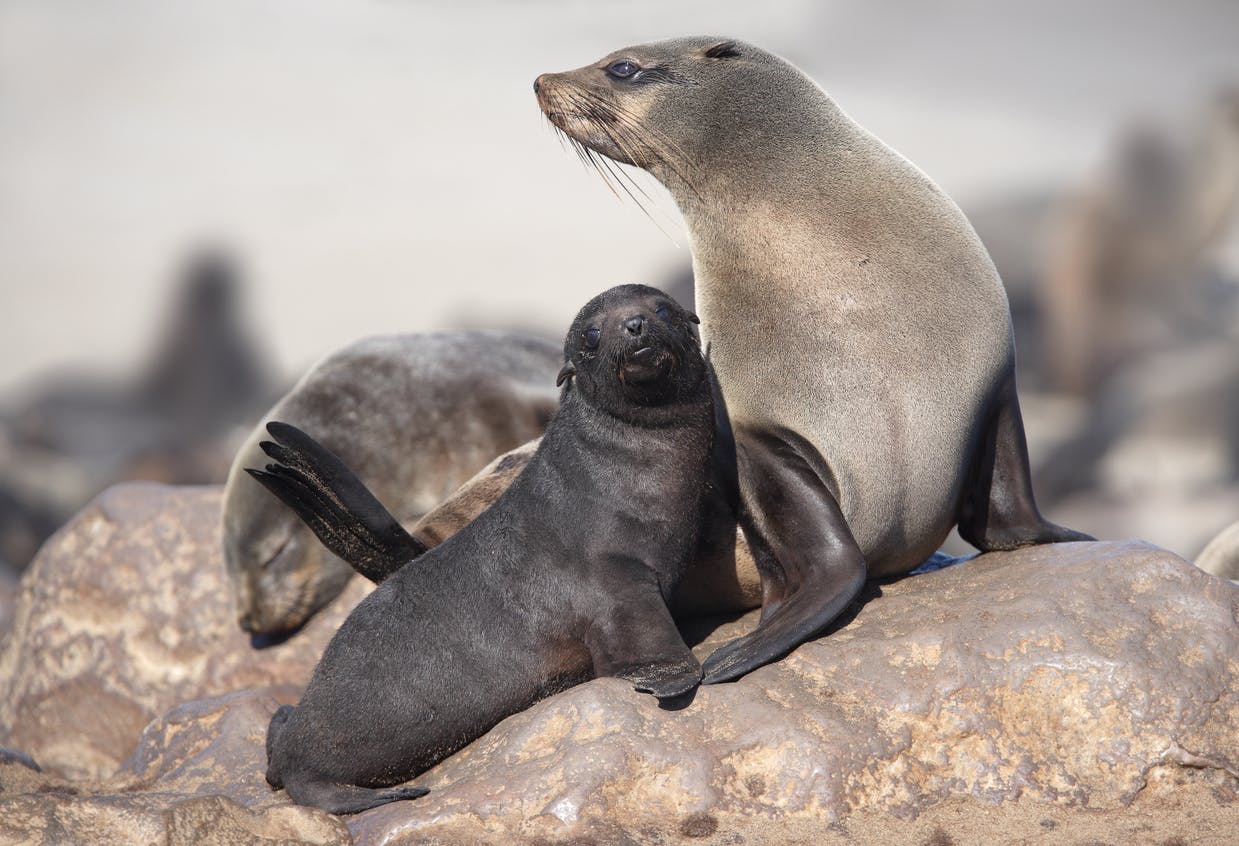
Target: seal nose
x: 246, y: 621
x: 635, y: 325
x: 537, y: 83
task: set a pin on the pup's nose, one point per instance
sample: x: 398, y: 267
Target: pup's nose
x: 537, y: 83
x: 634, y: 324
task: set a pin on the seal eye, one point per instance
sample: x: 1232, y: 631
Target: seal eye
x: 592, y: 334
x: 623, y: 69
x: 663, y: 312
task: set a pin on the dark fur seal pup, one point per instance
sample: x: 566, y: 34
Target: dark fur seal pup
x: 415, y: 416
x: 721, y: 577
x: 857, y: 326
x: 566, y: 577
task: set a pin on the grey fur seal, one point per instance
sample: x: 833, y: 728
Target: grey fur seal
x: 1221, y: 555
x: 857, y: 326
x: 566, y: 577
x: 415, y: 416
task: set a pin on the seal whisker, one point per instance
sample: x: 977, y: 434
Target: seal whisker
x: 600, y: 117
x: 600, y: 163
x: 612, y: 118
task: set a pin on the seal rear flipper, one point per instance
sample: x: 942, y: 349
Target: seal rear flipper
x: 997, y: 510
x: 347, y: 798
x: 335, y: 504
x: 638, y: 641
x: 274, y: 729
x: 810, y: 565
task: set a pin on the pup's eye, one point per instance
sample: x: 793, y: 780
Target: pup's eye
x: 663, y: 312
x: 592, y: 334
x: 623, y: 69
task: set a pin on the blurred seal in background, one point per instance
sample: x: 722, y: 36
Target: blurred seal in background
x: 414, y: 416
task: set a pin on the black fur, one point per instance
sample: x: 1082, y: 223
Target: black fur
x: 334, y: 503
x: 725, y: 50
x: 564, y: 578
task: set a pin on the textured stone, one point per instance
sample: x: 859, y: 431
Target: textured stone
x: 1043, y: 693
x: 195, y: 778
x: 125, y: 613
x: 159, y: 818
x: 1074, y: 675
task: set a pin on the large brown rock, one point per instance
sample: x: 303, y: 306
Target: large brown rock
x: 1076, y: 675
x: 1085, y: 693
x: 125, y: 613
x: 195, y: 778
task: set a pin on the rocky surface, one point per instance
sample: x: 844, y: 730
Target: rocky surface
x: 126, y: 613
x: 1085, y: 693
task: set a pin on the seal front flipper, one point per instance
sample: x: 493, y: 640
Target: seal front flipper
x: 636, y: 639
x: 810, y: 565
x: 998, y: 510
x: 335, y: 504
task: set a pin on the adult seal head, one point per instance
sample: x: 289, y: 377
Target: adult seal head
x: 859, y: 330
x: 566, y: 577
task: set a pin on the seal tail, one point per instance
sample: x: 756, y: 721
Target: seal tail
x: 312, y: 481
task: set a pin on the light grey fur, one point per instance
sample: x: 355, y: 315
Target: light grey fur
x: 1221, y: 556
x: 843, y: 295
x: 414, y: 416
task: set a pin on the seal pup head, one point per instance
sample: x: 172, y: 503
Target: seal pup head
x: 633, y: 347
x: 686, y: 109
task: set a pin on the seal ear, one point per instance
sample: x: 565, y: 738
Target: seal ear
x: 565, y: 373
x: 692, y: 318
x: 723, y: 50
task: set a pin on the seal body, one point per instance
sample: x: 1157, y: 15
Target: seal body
x: 721, y: 577
x: 566, y: 577
x: 857, y: 326
x: 415, y: 416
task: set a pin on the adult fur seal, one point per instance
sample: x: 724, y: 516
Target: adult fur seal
x: 566, y: 577
x: 858, y: 328
x: 415, y: 416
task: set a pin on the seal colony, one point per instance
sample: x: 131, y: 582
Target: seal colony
x: 566, y: 577
x: 858, y: 329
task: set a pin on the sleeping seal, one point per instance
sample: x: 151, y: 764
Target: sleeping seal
x: 415, y: 416
x: 857, y: 326
x: 566, y: 577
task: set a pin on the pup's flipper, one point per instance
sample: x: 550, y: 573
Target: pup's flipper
x: 348, y: 798
x: 634, y: 637
x: 334, y: 503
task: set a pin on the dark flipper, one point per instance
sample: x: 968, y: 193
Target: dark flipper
x: 635, y: 639
x: 998, y: 510
x: 335, y: 504
x: 810, y: 565
x: 274, y: 729
x: 348, y: 798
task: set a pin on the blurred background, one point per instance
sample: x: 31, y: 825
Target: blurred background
x: 198, y: 201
